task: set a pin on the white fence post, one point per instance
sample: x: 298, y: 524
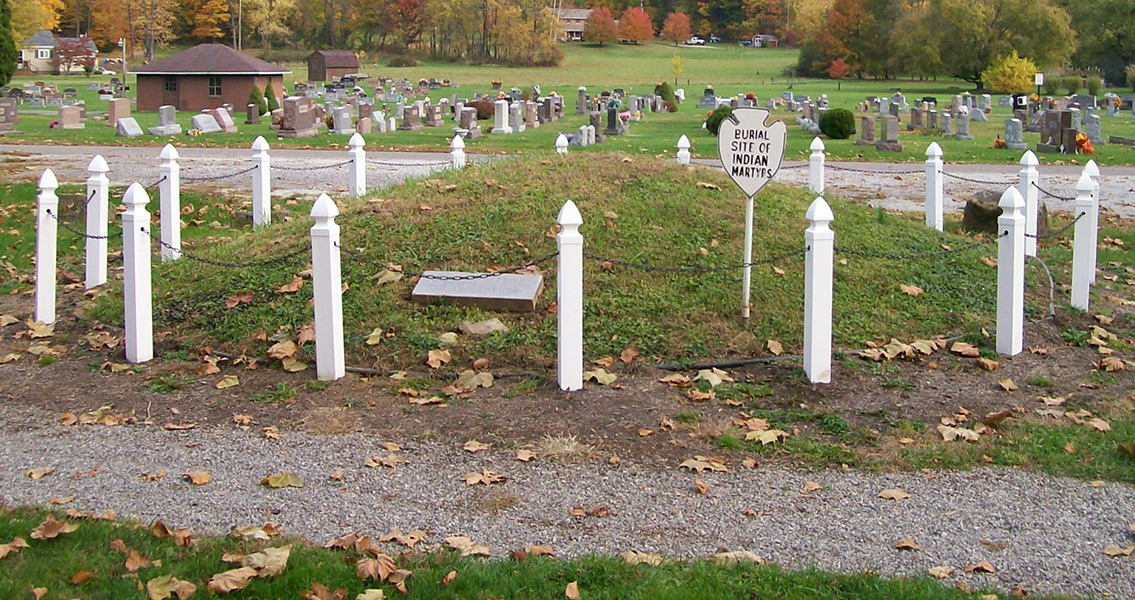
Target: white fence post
x: 137, y: 292
x: 1093, y: 171
x: 1084, y: 244
x: 818, y: 265
x: 169, y: 202
x: 457, y: 152
x: 261, y: 183
x: 934, y: 186
x: 561, y: 144
x: 816, y: 166
x: 46, y: 244
x: 98, y: 215
x: 1029, y: 177
x: 569, y: 298
x: 326, y: 276
x: 1011, y: 273
x: 358, y: 170
x: 683, y: 150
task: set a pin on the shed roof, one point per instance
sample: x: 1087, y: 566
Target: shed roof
x: 573, y: 14
x: 338, y: 59
x: 210, y: 59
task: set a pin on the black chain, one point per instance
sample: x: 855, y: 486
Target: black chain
x: 386, y: 266
x: 905, y: 172
x: 693, y: 269
x: 935, y: 254
x: 155, y: 184
x: 81, y: 234
x: 1051, y: 195
x: 94, y: 193
x: 226, y: 264
x: 320, y: 168
x: 218, y: 177
x: 1053, y: 234
x: 410, y: 164
x: 977, y: 181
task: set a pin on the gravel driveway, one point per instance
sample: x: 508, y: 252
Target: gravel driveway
x: 1041, y: 533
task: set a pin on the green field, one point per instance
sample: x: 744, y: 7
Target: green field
x: 729, y: 68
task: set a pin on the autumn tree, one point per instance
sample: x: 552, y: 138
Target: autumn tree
x: 411, y: 19
x: 600, y: 27
x: 8, y: 54
x: 209, y: 19
x: 846, y: 34
x: 838, y: 69
x: 30, y: 16
x: 72, y: 52
x: 635, y: 26
x: 676, y: 28
x: 268, y: 19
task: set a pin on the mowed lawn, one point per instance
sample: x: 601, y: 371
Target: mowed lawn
x: 729, y: 68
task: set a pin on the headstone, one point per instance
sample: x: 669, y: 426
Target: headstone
x: 433, y: 116
x: 947, y: 124
x: 378, y: 119
x: 8, y: 115
x: 509, y: 292
x: 1014, y: 134
x: 581, y: 101
x: 252, y: 115
x: 118, y: 108
x: 365, y: 126
x: 500, y: 117
x: 580, y: 138
x: 978, y: 116
x: 963, y: 124
x: 884, y: 107
x: 889, y: 135
x: 531, y: 118
x: 596, y: 125
x: 412, y: 119
x: 1077, y: 118
x: 986, y: 104
x: 916, y: 122
x: 298, y: 118
x: 516, y: 117
x: 1085, y: 101
x: 205, y: 123
x: 167, y: 122
x: 341, y: 121
x: 224, y: 119
x: 128, y: 127
x: 469, y: 122
x: 69, y: 118
x: 1004, y: 102
x: 1092, y: 129
x: 708, y: 98
x: 932, y: 120
x: 614, y: 124
x: 866, y: 131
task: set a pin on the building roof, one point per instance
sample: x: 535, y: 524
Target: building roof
x: 45, y: 39
x: 210, y: 59
x: 573, y: 14
x: 338, y: 59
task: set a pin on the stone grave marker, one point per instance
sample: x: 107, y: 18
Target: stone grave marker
x: 205, y: 123
x: 469, y: 122
x: 596, y: 124
x: 224, y: 119
x: 515, y: 117
x: 1092, y: 129
x: 127, y: 127
x: 581, y: 101
x: 947, y: 124
x: 500, y: 117
x: 364, y: 126
x: 889, y: 135
x: 411, y: 119
x: 69, y: 118
x: 298, y: 118
x: 1014, y: 134
x: 433, y: 116
x: 8, y: 115
x: 963, y: 124
x: 167, y: 122
x: 508, y: 292
x: 252, y: 115
x: 866, y: 131
x: 531, y: 119
x: 342, y: 121
x: 117, y: 108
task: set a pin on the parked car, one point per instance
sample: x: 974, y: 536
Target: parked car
x: 713, y: 39
x: 695, y: 41
x: 104, y: 71
x: 746, y: 43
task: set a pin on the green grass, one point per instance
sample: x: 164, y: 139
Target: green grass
x: 729, y: 68
x: 52, y: 563
x: 281, y: 392
x: 663, y: 217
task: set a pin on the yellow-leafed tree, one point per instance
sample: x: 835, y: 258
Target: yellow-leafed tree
x: 1009, y: 74
x: 30, y: 16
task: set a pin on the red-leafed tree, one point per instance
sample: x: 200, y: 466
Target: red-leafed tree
x: 73, y: 52
x: 411, y: 20
x: 635, y: 26
x: 676, y: 28
x: 600, y: 27
x: 838, y: 70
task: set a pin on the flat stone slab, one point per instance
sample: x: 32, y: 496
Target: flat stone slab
x: 509, y: 292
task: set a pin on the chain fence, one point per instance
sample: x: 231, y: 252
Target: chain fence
x: 642, y: 266
x: 871, y: 171
x: 385, y: 163
x: 920, y: 255
x: 210, y: 178
x: 1052, y: 195
x: 977, y: 181
x: 1058, y: 232
x: 316, y: 168
x: 227, y: 264
x: 155, y: 184
x: 67, y: 227
x: 386, y: 266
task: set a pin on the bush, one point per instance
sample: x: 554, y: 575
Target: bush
x: 271, y: 102
x: 1071, y: 83
x: 837, y: 123
x: 257, y: 97
x: 1051, y: 84
x: 485, y: 109
x: 1009, y: 74
x: 714, y: 119
x: 666, y: 91
x: 402, y: 61
x: 1094, y: 84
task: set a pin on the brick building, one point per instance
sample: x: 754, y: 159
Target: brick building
x: 204, y: 77
x: 328, y: 65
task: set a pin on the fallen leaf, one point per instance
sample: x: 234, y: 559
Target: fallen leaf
x: 775, y: 347
x: 966, y: 350
x: 476, y: 446
x: 700, y: 463
x: 907, y: 544
x: 228, y: 381
x: 1098, y: 424
x: 160, y: 588
x: 910, y: 290
x: 197, y: 477
x: 1008, y: 385
x: 811, y: 486
x: 231, y: 581
x: 81, y: 577
x: 51, y: 528
x: 40, y: 472
x: 736, y: 557
x: 485, y: 477
x: 628, y: 355
x: 448, y: 579
x: 295, y: 285
x: 701, y: 486
x: 13, y: 546
x: 996, y: 418
x: 436, y: 358
x: 1113, y: 550
x: 895, y: 494
x: 525, y: 455
x: 281, y: 480
x: 600, y: 376
x: 983, y: 566
x: 373, y: 594
x: 466, y: 546
x: 269, y: 562
x: 634, y: 557
x: 408, y: 540
x: 572, y: 591
x: 941, y: 572
x: 319, y: 591
x: 988, y: 365
x: 39, y: 592
x: 675, y: 380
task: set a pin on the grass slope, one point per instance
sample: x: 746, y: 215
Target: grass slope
x: 638, y: 210
x: 52, y: 563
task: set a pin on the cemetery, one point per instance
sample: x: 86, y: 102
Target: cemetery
x: 593, y: 318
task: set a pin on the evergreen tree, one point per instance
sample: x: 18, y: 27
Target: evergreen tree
x: 256, y: 97
x: 7, y: 43
x: 270, y: 96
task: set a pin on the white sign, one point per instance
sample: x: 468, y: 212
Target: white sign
x: 750, y: 149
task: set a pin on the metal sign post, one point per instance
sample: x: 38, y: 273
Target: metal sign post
x: 751, y: 151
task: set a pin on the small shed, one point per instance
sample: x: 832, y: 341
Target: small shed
x: 327, y: 65
x: 203, y: 77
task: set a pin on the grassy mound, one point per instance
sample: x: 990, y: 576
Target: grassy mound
x: 634, y: 209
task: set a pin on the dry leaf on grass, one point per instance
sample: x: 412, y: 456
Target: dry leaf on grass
x: 293, y: 286
x: 966, y: 350
x: 572, y: 591
x: 735, y: 557
x: 466, y: 546
x: 436, y: 358
x: 634, y: 557
x: 51, y: 528
x: 228, y: 381
x: 231, y: 581
x: 319, y: 591
x: 408, y: 540
x: 1008, y: 385
x: 600, y: 376
x: 378, y: 568
x: 13, y: 546
x: 910, y: 290
x: 940, y: 572
x: 161, y: 588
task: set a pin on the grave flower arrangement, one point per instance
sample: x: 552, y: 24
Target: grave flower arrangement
x: 750, y: 96
x: 53, y: 125
x: 1084, y: 144
x: 999, y: 144
x: 193, y: 132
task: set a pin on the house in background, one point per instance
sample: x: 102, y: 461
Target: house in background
x: 205, y: 77
x: 763, y: 40
x: 572, y: 22
x: 329, y: 65
x: 39, y: 52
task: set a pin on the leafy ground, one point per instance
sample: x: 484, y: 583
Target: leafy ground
x: 729, y: 68
x: 85, y: 563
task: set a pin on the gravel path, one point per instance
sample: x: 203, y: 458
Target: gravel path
x: 1053, y: 529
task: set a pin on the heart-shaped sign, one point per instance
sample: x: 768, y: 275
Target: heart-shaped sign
x: 751, y: 150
